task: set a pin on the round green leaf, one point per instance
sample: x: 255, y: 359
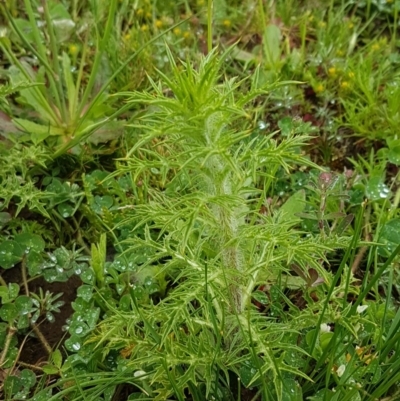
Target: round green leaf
x: 78, y: 328
x: 389, y: 237
x: 65, y: 209
x: 104, y: 201
x: 247, y: 374
x: 92, y: 316
x: 286, y: 126
x: 55, y: 187
x: 74, y: 343
x: 4, y: 295
x: 153, y: 288
x: 79, y: 305
x: 260, y: 297
x: 85, y: 292
x: 51, y: 275
x: 12, y: 384
x: 97, y: 178
x: 291, y: 390
x: 325, y: 338
x: 125, y: 303
x: 50, y: 369
x: 13, y: 290
x: 10, y: 254
x: 376, y: 189
x: 62, y: 257
x: 30, y: 241
x: 87, y: 276
x: 391, y: 231
x: 394, y: 156
x: 23, y: 322
x: 11, y: 356
x: 28, y: 378
x: 8, y: 312
x: 322, y: 395
x: 43, y: 395
x: 121, y: 288
x: 7, y: 294
x: 356, y: 196
x: 57, y: 358
x: 34, y: 261
x: 101, y: 202
x: 3, y: 329
x: 23, y: 304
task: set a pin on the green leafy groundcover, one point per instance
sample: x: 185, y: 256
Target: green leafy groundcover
x: 215, y: 258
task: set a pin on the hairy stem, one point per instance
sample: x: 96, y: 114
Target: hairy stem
x: 220, y: 183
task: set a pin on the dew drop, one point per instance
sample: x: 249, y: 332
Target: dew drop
x: 79, y: 330
x: 76, y: 346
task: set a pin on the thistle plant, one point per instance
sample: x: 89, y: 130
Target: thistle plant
x: 205, y: 236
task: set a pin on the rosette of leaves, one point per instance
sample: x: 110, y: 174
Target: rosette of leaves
x: 68, y: 108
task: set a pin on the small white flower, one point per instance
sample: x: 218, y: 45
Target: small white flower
x: 341, y: 370
x: 325, y: 328
x: 361, y: 308
x: 139, y: 374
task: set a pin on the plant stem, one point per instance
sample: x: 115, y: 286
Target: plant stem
x: 34, y: 326
x: 230, y: 223
x: 79, y: 238
x: 262, y: 15
x: 210, y: 9
x: 10, y: 333
x: 24, y: 276
x: 41, y: 338
x: 30, y: 366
